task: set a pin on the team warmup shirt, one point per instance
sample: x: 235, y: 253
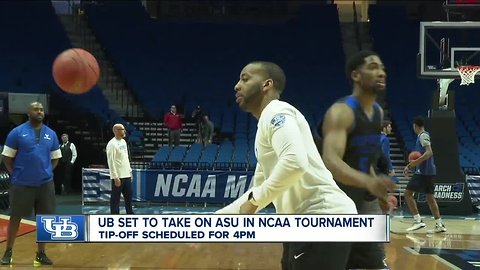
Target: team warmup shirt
x: 427, y: 167
x: 290, y: 172
x: 32, y: 164
x: 117, y: 158
x: 363, y: 148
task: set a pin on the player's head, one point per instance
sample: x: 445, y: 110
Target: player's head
x: 35, y: 112
x: 367, y: 72
x: 64, y: 137
x: 257, y: 80
x: 173, y: 109
x: 418, y: 124
x: 387, y: 127
x: 119, y: 131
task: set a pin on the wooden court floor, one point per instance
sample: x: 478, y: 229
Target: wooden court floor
x: 459, y: 248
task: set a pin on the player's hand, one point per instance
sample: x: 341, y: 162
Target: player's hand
x: 117, y: 182
x: 406, y: 170
x: 248, y: 208
x: 391, y: 173
x: 380, y: 185
x: 386, y: 206
x: 383, y: 205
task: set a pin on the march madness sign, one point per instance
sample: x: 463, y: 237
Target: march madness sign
x: 445, y: 192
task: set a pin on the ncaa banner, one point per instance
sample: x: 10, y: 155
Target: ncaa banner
x: 214, y: 228
x: 195, y: 186
x: 97, y: 186
x: 170, y: 186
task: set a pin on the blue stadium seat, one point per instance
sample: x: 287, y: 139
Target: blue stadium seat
x: 208, y: 157
x: 240, y: 158
x: 224, y: 158
x: 161, y: 157
x: 176, y: 157
x: 193, y: 156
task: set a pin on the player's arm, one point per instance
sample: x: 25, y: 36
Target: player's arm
x: 55, y: 153
x: 111, y: 154
x: 287, y: 143
x: 8, y: 161
x: 234, y: 207
x: 386, y: 154
x: 425, y: 142
x: 166, y: 120
x: 74, y: 153
x: 54, y: 163
x: 9, y: 151
x: 339, y: 119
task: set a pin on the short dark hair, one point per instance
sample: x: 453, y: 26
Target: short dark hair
x: 356, y: 60
x: 274, y: 72
x: 419, y: 121
x: 386, y: 123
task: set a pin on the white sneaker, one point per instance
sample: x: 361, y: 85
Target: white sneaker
x: 416, y: 226
x: 438, y: 229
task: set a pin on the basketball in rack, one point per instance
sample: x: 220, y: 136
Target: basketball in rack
x: 467, y: 73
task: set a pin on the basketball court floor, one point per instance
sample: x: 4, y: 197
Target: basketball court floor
x: 459, y: 248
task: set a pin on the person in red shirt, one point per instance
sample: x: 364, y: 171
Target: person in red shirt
x: 173, y: 122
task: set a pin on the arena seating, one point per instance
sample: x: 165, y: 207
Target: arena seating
x: 158, y: 50
x: 32, y: 36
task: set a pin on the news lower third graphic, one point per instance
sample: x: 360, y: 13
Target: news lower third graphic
x: 210, y: 228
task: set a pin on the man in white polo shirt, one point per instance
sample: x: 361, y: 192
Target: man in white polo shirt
x: 120, y: 171
x: 30, y: 154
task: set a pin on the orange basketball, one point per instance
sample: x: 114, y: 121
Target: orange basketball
x: 414, y: 155
x: 76, y: 71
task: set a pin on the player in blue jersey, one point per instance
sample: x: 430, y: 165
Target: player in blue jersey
x: 30, y: 154
x: 423, y: 179
x: 351, y: 149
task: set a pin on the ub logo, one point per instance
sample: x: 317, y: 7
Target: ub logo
x: 63, y: 229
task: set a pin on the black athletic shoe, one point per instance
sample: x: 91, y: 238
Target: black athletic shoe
x: 42, y: 259
x: 7, y: 257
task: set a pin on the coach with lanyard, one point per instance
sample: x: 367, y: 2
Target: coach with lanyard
x: 30, y: 154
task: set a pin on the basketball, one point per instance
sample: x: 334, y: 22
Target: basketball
x: 414, y: 155
x: 76, y: 71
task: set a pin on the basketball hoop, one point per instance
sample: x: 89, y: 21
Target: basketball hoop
x: 467, y: 73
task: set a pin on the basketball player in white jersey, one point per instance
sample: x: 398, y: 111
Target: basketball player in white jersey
x: 290, y: 172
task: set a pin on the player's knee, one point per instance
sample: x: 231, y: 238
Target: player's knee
x: 14, y: 221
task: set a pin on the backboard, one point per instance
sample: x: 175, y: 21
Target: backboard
x: 458, y: 4
x: 444, y: 46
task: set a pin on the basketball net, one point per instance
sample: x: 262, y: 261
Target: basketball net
x: 467, y: 73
